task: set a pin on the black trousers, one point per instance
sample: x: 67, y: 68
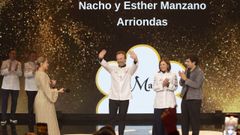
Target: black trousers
x: 14, y: 97
x: 191, y: 116
x: 118, y: 108
x: 158, y: 127
x: 31, y: 97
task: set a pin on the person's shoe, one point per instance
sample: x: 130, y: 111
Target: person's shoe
x: 3, y: 122
x: 12, y: 121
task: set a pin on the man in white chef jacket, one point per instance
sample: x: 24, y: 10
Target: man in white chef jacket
x: 11, y: 71
x: 30, y: 68
x: 120, y: 92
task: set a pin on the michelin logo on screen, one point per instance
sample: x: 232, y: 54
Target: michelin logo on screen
x: 142, y: 81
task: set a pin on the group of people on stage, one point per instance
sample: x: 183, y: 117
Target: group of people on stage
x: 42, y: 93
x: 165, y: 83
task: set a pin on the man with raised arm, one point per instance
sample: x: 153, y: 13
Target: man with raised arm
x: 120, y: 92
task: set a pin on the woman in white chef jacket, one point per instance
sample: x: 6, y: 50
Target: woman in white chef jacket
x: 165, y: 83
x: 30, y: 68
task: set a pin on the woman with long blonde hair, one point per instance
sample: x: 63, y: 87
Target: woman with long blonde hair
x: 45, y: 98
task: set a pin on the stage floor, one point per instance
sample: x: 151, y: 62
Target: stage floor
x: 88, y: 129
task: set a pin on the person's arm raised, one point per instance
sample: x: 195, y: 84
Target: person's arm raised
x: 103, y: 62
x: 135, y: 65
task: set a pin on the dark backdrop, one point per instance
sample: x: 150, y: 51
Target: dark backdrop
x: 71, y: 40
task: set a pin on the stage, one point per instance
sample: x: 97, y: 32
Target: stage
x: 137, y: 124
x: 147, y: 130
x: 201, y: 133
x: 88, y: 130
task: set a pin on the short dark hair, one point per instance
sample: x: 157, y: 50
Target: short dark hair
x: 122, y: 52
x: 193, y: 58
x: 11, y: 50
x: 167, y: 62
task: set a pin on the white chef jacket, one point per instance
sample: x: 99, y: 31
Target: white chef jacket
x: 165, y: 97
x: 11, y: 78
x: 29, y: 74
x: 121, y: 80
